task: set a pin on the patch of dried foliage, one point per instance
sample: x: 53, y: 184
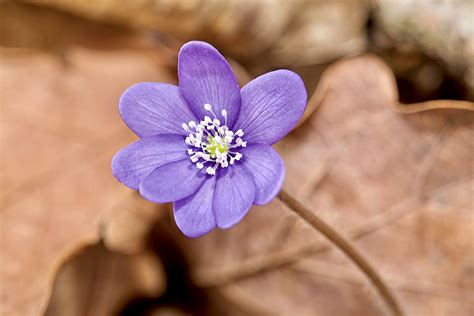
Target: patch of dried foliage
x: 400, y: 185
x: 288, y: 32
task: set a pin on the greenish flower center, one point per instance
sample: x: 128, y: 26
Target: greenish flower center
x: 214, y: 146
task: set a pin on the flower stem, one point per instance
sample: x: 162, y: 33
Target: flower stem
x: 344, y: 245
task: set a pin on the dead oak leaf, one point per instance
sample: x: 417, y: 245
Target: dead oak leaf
x: 359, y: 163
x: 60, y: 129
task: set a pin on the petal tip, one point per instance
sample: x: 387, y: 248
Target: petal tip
x: 151, y: 196
x: 299, y: 82
x: 205, y: 76
x: 197, y: 45
x: 229, y: 224
x: 271, y: 106
x: 270, y: 172
x: 123, y: 100
x: 274, y: 193
x: 117, y: 171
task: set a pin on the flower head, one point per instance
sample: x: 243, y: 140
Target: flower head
x: 205, y: 145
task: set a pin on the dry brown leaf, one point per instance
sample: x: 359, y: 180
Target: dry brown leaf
x: 289, y: 32
x: 126, y: 227
x: 358, y: 162
x: 59, y: 130
x: 443, y: 30
x: 354, y: 161
x: 96, y: 281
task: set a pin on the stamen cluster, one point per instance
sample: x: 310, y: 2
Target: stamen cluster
x: 213, y: 144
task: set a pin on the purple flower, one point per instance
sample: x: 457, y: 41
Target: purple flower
x: 206, y: 145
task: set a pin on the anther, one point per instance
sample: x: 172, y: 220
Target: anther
x: 211, y: 171
x: 213, y: 142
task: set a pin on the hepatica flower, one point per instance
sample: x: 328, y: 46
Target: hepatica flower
x: 205, y: 145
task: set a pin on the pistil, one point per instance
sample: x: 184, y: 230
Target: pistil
x: 213, y: 144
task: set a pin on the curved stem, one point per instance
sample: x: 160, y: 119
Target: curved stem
x: 344, y: 245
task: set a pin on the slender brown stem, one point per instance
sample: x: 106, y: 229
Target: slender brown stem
x: 344, y: 245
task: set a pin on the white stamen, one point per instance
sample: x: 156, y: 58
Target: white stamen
x: 211, y: 171
x: 212, y: 142
x: 224, y: 114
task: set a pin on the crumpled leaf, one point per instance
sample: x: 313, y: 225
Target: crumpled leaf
x: 125, y: 227
x: 402, y: 180
x: 442, y: 30
x: 59, y: 130
x: 98, y: 282
x: 288, y: 32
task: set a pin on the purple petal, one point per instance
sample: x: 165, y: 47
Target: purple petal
x: 206, y: 77
x: 150, y: 109
x: 233, y: 195
x: 172, y: 182
x: 267, y: 169
x: 194, y: 215
x: 271, y: 106
x: 133, y: 163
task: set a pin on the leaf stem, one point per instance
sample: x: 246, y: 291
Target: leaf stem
x: 344, y: 245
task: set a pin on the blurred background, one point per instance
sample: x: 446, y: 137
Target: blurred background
x: 384, y: 154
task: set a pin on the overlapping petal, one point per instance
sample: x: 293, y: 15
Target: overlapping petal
x: 194, y: 215
x: 267, y: 169
x: 150, y: 109
x: 158, y: 165
x: 133, y: 163
x: 271, y: 105
x: 206, y: 77
x: 172, y: 182
x: 233, y: 195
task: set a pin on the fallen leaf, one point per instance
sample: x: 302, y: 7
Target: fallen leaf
x: 60, y: 128
x: 400, y: 183
x: 282, y: 33
x: 126, y: 227
x: 96, y: 281
x: 438, y: 29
